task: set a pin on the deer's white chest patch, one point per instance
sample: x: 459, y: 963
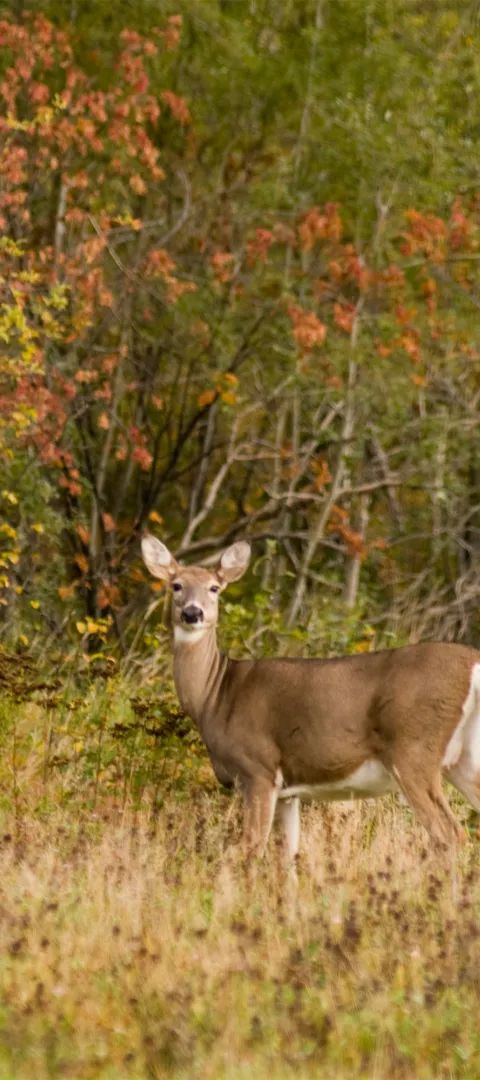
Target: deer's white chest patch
x: 188, y: 637
x: 368, y: 781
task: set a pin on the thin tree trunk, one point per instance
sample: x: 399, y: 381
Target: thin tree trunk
x: 354, y: 564
x: 317, y: 531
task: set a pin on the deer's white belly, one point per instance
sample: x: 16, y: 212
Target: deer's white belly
x: 368, y: 781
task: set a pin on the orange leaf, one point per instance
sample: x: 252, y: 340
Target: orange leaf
x: 107, y: 596
x: 66, y: 592
x: 308, y: 330
x: 344, y: 316
x: 142, y: 457
x: 178, y: 106
x: 83, y: 533
x: 206, y: 397
x: 383, y: 350
x: 82, y: 562
x: 223, y: 265
x: 108, y: 522
x: 137, y: 184
x: 322, y: 473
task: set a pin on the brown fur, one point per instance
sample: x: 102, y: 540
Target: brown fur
x: 316, y: 721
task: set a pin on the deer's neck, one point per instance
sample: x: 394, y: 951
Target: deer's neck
x: 198, y: 668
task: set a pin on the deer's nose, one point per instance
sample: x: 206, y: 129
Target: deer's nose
x: 192, y: 614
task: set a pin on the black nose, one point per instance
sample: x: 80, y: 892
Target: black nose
x: 192, y: 614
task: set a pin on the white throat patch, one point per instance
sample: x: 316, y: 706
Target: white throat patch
x: 181, y: 636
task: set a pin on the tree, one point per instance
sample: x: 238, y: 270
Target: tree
x: 205, y: 331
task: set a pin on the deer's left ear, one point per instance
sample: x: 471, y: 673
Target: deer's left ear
x: 158, y: 559
x: 234, y: 562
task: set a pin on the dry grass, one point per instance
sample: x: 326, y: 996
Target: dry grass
x: 135, y: 945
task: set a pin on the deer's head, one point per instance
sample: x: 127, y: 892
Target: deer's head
x: 195, y: 589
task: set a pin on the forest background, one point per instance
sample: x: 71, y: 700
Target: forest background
x: 239, y: 298
x: 239, y: 271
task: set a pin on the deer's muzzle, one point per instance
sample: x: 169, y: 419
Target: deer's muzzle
x: 192, y: 614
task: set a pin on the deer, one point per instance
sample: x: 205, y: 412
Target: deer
x: 358, y: 726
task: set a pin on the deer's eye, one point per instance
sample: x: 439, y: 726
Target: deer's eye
x: 214, y: 588
x: 177, y: 586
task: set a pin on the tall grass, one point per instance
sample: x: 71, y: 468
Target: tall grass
x: 141, y: 946
x: 135, y: 943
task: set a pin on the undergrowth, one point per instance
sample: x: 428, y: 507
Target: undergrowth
x: 135, y: 943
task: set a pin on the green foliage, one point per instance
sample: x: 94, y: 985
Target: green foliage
x: 113, y: 743
x: 238, y: 296
x: 238, y: 283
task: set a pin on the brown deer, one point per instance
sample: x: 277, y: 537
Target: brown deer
x: 349, y: 727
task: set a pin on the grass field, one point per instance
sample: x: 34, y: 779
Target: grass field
x: 136, y: 947
x: 135, y: 943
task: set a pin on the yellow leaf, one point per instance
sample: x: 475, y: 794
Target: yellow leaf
x: 38, y: 527
x: 153, y: 516
x: 8, y: 530
x: 229, y: 397
x: 23, y: 639
x: 81, y: 627
x: 10, y: 497
x: 35, y: 604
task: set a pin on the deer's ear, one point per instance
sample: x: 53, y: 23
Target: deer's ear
x: 234, y: 562
x: 157, y: 558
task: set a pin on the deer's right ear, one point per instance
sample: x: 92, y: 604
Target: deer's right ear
x: 157, y: 558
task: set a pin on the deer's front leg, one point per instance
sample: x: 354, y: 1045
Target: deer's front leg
x: 260, y: 799
x: 287, y: 817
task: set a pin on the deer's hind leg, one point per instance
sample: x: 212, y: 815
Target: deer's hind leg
x: 423, y: 790
x: 468, y: 786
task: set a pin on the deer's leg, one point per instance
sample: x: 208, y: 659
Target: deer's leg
x: 287, y: 816
x: 423, y: 791
x: 467, y: 785
x: 260, y: 799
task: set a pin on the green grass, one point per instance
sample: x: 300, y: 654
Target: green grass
x: 136, y: 944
